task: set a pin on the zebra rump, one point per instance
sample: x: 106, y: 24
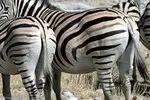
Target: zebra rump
x: 25, y: 44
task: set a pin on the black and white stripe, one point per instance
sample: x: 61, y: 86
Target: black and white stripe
x: 87, y: 41
x: 23, y: 44
x: 145, y: 26
x: 130, y: 8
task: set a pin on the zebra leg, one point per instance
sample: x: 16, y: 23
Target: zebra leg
x: 30, y: 84
x: 103, y: 67
x: 40, y: 82
x: 105, y: 78
x: 57, y: 83
x: 47, y: 89
x: 6, y: 86
x: 124, y: 65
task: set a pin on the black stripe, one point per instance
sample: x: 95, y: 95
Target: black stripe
x: 39, y: 9
x: 146, y: 27
x: 28, y: 82
x: 66, y: 27
x: 22, y: 71
x: 1, y: 54
x: 51, y: 15
x: 55, y: 63
x: 21, y: 4
x: 66, y: 16
x: 34, y: 90
x: 30, y: 11
x: 78, y: 19
x: 25, y: 7
x: 104, y: 69
x: 22, y: 26
x: 53, y: 40
x: 18, y: 2
x: 56, y: 22
x: 29, y: 87
x: 135, y: 11
x: 102, y: 56
x: 146, y: 17
x: 104, y: 73
x: 83, y: 28
x: 124, y: 6
x: 16, y: 44
x: 26, y: 77
x: 108, y: 83
x: 18, y: 63
x: 103, y: 63
x: 102, y: 48
x: 95, y: 38
x: 18, y: 55
x: 147, y: 34
x: 102, y: 78
x: 55, y: 16
x: 53, y: 22
x: 20, y: 35
x: 41, y: 84
x: 42, y: 13
x: 4, y: 39
x: 3, y: 29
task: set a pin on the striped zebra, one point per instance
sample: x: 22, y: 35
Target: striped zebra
x: 130, y: 8
x: 25, y: 43
x: 144, y: 27
x: 92, y: 40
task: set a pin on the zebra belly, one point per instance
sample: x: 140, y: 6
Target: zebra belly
x: 8, y: 68
x: 81, y: 66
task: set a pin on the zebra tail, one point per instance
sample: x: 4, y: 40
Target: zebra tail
x: 49, y: 45
x: 140, y: 87
x: 138, y: 64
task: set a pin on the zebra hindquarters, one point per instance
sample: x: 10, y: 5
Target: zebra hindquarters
x: 105, y: 56
x: 23, y: 48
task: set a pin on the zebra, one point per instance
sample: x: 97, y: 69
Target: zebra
x: 129, y: 7
x: 145, y: 31
x: 24, y: 48
x: 144, y: 26
x: 86, y: 41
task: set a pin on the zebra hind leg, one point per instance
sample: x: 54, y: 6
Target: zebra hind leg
x: 105, y: 79
x: 103, y: 67
x: 124, y: 64
x: 6, y: 86
x: 57, y: 83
